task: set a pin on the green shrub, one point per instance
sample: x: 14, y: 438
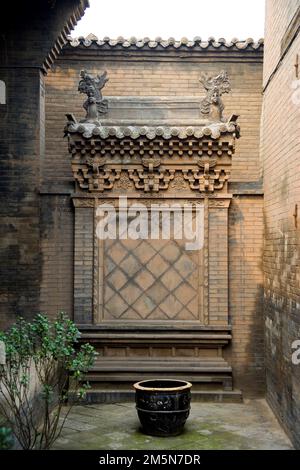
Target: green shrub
x: 47, y: 352
x: 6, y: 438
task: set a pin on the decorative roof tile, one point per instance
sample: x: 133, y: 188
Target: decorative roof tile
x: 171, y: 43
x: 214, y: 131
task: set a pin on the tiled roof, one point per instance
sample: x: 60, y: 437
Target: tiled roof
x: 213, y: 131
x: 76, y: 15
x: 171, y: 43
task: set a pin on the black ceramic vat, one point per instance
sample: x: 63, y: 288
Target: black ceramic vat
x: 163, y: 406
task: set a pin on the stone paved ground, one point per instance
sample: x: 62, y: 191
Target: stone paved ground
x: 250, y: 425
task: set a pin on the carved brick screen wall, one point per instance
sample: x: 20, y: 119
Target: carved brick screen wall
x: 204, y: 171
x: 230, y: 291
x: 151, y: 284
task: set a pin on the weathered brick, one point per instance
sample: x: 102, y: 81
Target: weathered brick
x: 280, y: 153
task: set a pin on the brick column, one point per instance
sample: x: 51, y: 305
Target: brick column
x: 218, y: 261
x: 83, y: 264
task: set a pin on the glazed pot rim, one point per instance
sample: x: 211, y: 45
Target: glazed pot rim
x: 142, y: 385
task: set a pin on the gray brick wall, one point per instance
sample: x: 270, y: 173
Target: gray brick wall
x: 280, y: 146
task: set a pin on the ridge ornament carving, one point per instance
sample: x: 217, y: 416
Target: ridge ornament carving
x: 95, y: 105
x: 212, y: 107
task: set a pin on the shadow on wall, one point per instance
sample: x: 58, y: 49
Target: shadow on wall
x: 246, y: 351
x: 282, y: 327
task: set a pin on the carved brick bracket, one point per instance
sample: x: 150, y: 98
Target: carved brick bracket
x: 152, y: 177
x: 207, y: 178
x: 94, y: 175
x: 150, y: 162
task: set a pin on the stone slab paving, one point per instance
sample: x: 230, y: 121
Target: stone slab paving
x: 250, y: 425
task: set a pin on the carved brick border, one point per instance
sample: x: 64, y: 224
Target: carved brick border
x: 99, y: 252
x: 88, y: 308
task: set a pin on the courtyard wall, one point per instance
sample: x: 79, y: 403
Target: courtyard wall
x: 280, y: 152
x: 160, y: 72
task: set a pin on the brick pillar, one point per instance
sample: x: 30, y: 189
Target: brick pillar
x: 21, y: 148
x: 218, y: 261
x: 83, y: 264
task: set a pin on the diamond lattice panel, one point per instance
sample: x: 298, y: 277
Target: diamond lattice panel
x: 150, y: 280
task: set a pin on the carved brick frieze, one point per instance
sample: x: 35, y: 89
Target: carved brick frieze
x: 151, y: 166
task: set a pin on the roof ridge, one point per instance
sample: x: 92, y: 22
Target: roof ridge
x: 170, y: 42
